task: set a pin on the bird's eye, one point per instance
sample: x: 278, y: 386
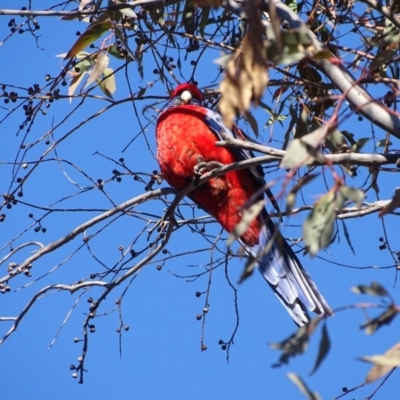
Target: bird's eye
x: 186, y: 96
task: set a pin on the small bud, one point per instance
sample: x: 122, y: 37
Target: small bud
x: 203, y: 347
x: 74, y: 375
x: 198, y: 294
x: 199, y: 317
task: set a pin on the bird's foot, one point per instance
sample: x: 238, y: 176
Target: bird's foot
x: 206, y: 166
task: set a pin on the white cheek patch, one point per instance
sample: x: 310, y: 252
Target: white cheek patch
x: 186, y: 96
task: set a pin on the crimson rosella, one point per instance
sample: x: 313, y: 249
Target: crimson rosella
x: 186, y: 133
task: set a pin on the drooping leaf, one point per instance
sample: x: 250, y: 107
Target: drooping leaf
x: 92, y: 33
x: 394, y: 203
x: 296, y: 379
x: 113, y: 51
x: 100, y: 65
x: 300, y: 153
x: 382, y: 363
x: 305, y: 150
x: 335, y: 141
x: 204, y: 20
x: 188, y: 17
x: 291, y: 197
x: 252, y: 122
x: 295, y: 344
x: 375, y: 289
x: 360, y: 143
x: 353, y: 194
x: 347, y: 237
x: 75, y: 81
x: 295, y: 45
x: 318, y: 227
x: 248, y: 216
x: 384, y: 319
x: 83, y: 65
x: 246, y: 72
x: 324, y: 347
x: 381, y: 58
x: 107, y: 84
x: 383, y: 143
x: 121, y: 37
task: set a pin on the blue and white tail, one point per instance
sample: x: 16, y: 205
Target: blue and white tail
x: 289, y: 280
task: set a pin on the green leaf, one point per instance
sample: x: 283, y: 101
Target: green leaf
x: 113, y: 51
x: 108, y: 85
x: 335, y: 141
x: 324, y: 347
x: 248, y: 216
x: 305, y: 150
x: 205, y: 13
x: 292, y: 4
x: 291, y: 197
x: 381, y: 58
x: 83, y: 65
x: 300, y: 153
x: 356, y: 195
x: 360, y: 143
x: 92, y: 33
x: 318, y: 227
x: 394, y: 203
x: 252, y: 122
x: 383, y: 143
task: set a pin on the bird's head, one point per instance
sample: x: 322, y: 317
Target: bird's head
x: 185, y: 94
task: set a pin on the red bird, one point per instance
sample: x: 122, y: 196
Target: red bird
x: 186, y: 133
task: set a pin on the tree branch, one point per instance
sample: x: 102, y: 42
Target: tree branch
x: 362, y: 159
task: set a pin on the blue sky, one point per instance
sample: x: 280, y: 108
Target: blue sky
x: 161, y: 355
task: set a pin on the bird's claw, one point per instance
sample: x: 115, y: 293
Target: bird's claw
x: 206, y: 166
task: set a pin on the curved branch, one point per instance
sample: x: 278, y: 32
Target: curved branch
x: 81, y: 228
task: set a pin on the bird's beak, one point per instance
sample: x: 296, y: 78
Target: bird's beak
x: 186, y: 97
